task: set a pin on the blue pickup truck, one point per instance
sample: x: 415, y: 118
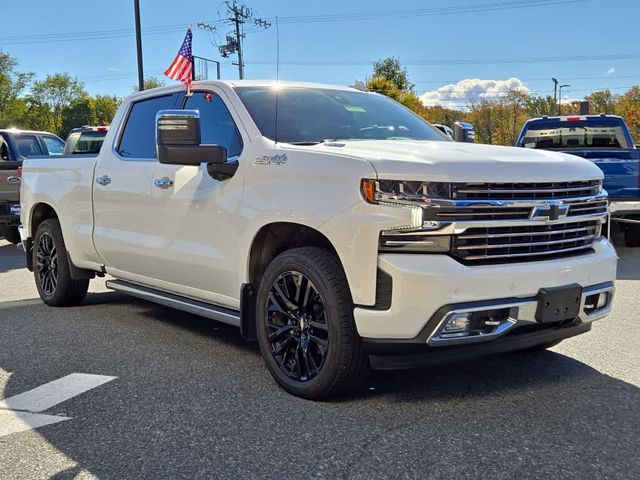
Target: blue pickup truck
x: 606, y: 141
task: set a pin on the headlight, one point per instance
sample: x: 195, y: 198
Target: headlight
x: 418, y: 237
x: 401, y: 192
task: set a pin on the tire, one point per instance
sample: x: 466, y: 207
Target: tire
x: 632, y: 235
x: 305, y: 325
x: 51, y: 268
x: 10, y: 234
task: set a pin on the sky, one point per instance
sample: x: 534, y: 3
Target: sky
x: 453, y: 50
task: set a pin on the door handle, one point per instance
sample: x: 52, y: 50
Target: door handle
x: 103, y: 180
x: 164, y: 182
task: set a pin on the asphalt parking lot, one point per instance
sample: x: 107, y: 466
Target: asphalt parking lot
x: 190, y: 399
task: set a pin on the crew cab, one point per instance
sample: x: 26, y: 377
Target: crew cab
x: 606, y: 141
x: 15, y: 146
x: 335, y: 227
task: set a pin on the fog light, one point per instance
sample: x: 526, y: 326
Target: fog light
x: 603, y: 298
x: 460, y: 322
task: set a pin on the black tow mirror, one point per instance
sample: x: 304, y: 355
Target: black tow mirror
x: 178, y: 140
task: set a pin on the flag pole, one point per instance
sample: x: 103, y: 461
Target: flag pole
x: 136, y: 7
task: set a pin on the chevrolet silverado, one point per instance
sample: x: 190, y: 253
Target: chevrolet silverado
x: 335, y: 227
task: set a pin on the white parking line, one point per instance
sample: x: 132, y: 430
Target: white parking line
x: 13, y: 422
x: 19, y: 413
x: 50, y: 394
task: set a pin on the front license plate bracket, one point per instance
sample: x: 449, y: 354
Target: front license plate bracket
x: 558, y: 303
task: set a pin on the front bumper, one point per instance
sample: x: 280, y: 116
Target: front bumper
x: 424, y: 284
x: 405, y: 356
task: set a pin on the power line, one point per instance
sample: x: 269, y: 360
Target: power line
x: 468, y: 61
x: 301, y: 19
x: 422, y: 12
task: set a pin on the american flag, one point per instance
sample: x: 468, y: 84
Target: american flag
x: 182, y: 66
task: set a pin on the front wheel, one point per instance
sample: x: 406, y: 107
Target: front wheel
x: 10, y: 233
x: 305, y: 325
x: 51, y: 268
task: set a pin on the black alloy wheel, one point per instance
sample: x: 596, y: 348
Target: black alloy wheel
x: 47, y: 263
x: 298, y: 333
x: 305, y: 325
x: 52, y: 267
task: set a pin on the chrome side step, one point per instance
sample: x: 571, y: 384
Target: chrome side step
x: 214, y: 312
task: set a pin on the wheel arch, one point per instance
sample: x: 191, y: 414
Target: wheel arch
x: 270, y: 241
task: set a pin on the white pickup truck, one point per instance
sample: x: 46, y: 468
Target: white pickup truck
x: 334, y: 226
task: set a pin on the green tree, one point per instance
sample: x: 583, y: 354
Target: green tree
x: 150, y: 82
x: 390, y: 69
x: 602, y: 101
x: 80, y: 112
x: 51, y: 98
x: 628, y: 106
x: 12, y: 84
x: 105, y: 108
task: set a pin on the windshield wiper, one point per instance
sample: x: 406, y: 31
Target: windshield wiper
x: 312, y: 142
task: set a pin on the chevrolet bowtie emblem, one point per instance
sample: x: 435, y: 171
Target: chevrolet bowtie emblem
x: 551, y: 211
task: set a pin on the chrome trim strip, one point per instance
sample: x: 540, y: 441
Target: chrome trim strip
x: 532, y: 244
x: 526, y: 190
x: 524, y: 234
x: 530, y: 254
x: 214, y: 312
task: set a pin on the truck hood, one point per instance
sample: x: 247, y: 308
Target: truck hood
x: 464, y: 162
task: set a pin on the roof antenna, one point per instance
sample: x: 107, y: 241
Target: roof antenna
x: 275, y: 134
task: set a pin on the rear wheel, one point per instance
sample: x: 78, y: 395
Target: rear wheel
x: 305, y: 325
x: 632, y: 235
x: 51, y: 268
x: 10, y: 233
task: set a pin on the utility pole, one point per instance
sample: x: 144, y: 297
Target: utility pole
x: 560, y: 97
x: 239, y: 14
x: 136, y: 8
x: 555, y: 93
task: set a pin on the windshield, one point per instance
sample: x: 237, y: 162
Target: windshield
x: 575, y: 134
x: 313, y: 115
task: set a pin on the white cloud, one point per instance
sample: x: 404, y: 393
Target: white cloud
x: 461, y: 93
x: 611, y: 71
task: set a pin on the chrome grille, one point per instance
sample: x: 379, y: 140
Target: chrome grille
x: 509, y: 191
x: 524, y: 242
x: 476, y: 211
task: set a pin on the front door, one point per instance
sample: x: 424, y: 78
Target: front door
x: 197, y: 216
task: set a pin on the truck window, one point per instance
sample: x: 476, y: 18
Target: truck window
x: 216, y: 124
x: 28, y: 145
x: 54, y: 145
x: 139, y: 136
x: 578, y: 134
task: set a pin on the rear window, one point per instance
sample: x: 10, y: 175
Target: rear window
x: 565, y: 135
x: 83, y: 143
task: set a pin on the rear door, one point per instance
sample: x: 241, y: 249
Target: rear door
x: 125, y: 220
